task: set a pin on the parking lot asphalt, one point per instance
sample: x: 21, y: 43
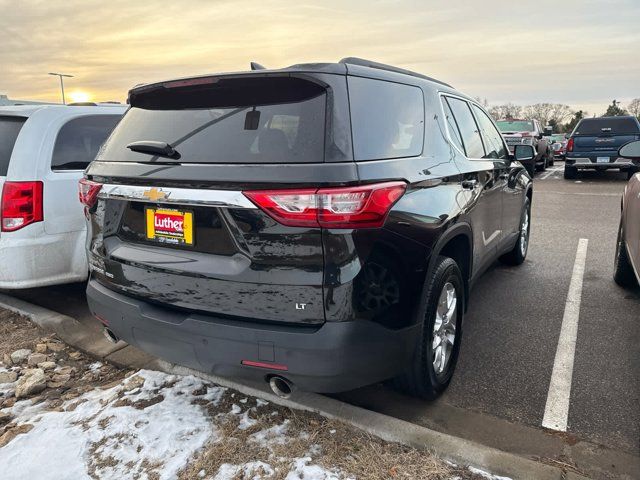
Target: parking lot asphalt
x: 499, y: 391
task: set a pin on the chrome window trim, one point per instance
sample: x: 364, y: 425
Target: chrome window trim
x: 182, y: 196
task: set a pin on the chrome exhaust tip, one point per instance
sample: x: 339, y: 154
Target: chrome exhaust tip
x: 110, y: 336
x: 281, y: 386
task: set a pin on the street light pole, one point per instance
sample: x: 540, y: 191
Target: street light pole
x: 61, y: 83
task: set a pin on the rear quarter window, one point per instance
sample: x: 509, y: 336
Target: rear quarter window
x: 79, y: 140
x: 608, y: 126
x: 10, y: 127
x: 387, y: 119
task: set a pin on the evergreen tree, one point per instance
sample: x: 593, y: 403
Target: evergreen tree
x: 615, y: 110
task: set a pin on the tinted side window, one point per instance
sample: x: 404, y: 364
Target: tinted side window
x: 9, y: 129
x: 387, y: 119
x: 493, y: 143
x: 468, y: 128
x: 454, y: 131
x: 80, y: 139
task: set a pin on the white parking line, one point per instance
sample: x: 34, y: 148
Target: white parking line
x: 550, y: 172
x: 556, y: 411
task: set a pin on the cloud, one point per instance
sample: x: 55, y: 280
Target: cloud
x: 521, y: 51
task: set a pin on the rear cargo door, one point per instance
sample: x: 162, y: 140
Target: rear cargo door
x: 172, y: 223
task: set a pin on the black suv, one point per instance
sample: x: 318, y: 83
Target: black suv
x: 317, y: 226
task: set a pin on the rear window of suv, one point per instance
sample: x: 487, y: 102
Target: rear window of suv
x: 10, y: 127
x: 387, y: 119
x: 611, y: 126
x: 251, y: 120
x: 79, y: 140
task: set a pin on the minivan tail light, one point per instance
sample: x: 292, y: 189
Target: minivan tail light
x: 20, y: 205
x: 363, y: 206
x: 88, y: 192
x: 570, y: 145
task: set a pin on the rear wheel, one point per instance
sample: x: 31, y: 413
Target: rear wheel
x: 518, y: 255
x: 623, y: 273
x: 570, y: 172
x: 441, y: 314
x: 631, y: 172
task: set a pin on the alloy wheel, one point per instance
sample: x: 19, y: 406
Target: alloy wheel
x: 444, y: 329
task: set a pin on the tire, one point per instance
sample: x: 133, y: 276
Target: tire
x: 623, y: 273
x: 570, y: 172
x: 423, y: 377
x: 542, y: 167
x: 631, y: 172
x: 518, y: 255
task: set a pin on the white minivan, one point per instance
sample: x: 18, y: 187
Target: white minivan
x: 44, y: 150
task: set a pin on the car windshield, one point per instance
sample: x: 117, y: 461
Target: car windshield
x: 515, y: 126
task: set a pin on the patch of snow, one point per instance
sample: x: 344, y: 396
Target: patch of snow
x: 246, y: 421
x: 487, y: 475
x: 303, y: 469
x: 253, y: 470
x: 115, y: 441
x: 275, y: 435
x: 261, y: 403
x: 95, y: 367
x: 235, y: 409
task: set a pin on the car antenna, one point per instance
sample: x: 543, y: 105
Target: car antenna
x: 257, y: 66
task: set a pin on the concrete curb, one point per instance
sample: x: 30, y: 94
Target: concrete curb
x: 448, y: 447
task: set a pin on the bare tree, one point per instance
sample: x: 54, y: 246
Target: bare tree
x: 545, y: 112
x: 634, y: 107
x: 505, y: 111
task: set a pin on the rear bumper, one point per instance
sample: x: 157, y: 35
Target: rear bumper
x: 585, y: 162
x: 334, y: 357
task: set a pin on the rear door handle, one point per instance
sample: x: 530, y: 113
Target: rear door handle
x: 469, y: 184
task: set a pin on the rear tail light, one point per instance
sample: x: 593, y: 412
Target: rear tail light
x: 88, y: 192
x: 365, y: 206
x: 20, y: 205
x: 570, y: 145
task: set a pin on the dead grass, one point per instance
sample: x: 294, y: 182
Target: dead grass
x: 331, y: 444
x: 16, y: 332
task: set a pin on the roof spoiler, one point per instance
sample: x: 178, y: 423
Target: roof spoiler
x: 389, y: 68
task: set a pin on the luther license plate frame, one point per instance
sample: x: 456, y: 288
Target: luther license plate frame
x: 170, y: 226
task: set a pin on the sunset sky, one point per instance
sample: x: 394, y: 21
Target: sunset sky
x: 580, y: 52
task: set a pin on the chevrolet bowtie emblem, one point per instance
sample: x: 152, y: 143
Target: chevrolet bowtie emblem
x: 155, y: 194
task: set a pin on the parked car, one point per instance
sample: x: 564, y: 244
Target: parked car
x: 559, y: 145
x: 594, y: 145
x: 43, y: 152
x: 319, y: 225
x: 528, y: 132
x: 627, y: 260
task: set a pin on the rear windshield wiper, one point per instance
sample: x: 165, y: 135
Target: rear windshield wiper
x: 161, y: 149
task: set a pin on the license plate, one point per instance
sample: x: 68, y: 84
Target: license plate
x: 169, y: 226
x: 603, y: 159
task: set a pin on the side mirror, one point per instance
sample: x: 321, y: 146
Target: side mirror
x: 523, y: 153
x: 630, y: 150
x: 539, y: 136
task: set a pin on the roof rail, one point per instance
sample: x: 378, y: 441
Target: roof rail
x: 382, y: 66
